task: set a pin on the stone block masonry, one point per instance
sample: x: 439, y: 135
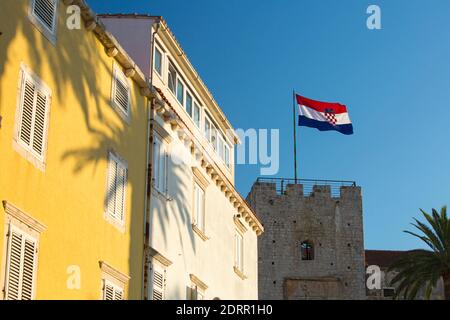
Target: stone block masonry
x: 331, y: 223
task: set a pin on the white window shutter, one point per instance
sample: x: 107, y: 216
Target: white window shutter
x: 29, y: 258
x: 14, y: 260
x: 34, y: 109
x: 112, y: 188
x: 160, y: 161
x: 39, y: 123
x: 26, y: 121
x: 199, y: 211
x: 121, y: 91
x: 108, y: 291
x: 118, y: 294
x: 21, y: 266
x: 45, y: 11
x: 121, y: 192
x: 158, y: 283
x: 116, y: 191
x: 112, y: 291
x: 156, y: 162
x: 164, y: 157
x: 121, y: 95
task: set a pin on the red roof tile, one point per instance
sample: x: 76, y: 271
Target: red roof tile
x: 383, y: 258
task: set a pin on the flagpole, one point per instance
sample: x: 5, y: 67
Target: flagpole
x: 295, y: 136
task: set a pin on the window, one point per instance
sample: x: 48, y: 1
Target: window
x: 196, y: 115
x: 218, y: 141
x: 223, y: 150
x: 160, y: 166
x: 220, y: 147
x: 116, y: 191
x: 197, y: 288
x: 21, y: 263
x: 226, y: 155
x: 207, y: 129
x: 158, y: 282
x: 172, y: 78
x: 120, y: 92
x: 158, y: 61
x: 189, y: 104
x: 197, y: 293
x: 180, y: 92
x: 239, y: 252
x: 33, y: 114
x: 307, y: 250
x: 43, y: 13
x: 112, y: 291
x: 192, y: 107
x: 214, y: 137
x: 199, y: 207
x: 210, y: 132
x: 114, y: 282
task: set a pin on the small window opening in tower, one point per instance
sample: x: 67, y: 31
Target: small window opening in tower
x: 307, y: 250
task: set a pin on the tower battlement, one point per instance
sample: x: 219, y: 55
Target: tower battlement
x: 308, y: 187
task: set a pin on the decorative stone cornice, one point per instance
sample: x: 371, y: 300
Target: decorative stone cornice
x: 159, y: 257
x: 239, y: 224
x: 113, y: 272
x: 200, y: 177
x: 198, y: 282
x: 23, y: 217
x: 163, y: 133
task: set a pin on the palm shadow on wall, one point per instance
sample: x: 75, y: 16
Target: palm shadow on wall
x: 62, y: 58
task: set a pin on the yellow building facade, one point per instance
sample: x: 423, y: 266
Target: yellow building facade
x: 73, y: 139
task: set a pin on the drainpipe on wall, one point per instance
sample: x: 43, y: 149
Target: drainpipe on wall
x: 149, y: 171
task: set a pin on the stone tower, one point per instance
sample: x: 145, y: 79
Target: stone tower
x: 313, y: 246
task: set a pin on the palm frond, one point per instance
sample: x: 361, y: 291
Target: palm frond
x: 421, y: 269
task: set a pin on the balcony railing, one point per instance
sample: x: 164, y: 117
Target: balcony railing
x: 308, y: 185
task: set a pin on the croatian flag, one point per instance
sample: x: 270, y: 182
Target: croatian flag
x: 323, y: 115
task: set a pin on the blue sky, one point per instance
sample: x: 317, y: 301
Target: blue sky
x: 395, y: 83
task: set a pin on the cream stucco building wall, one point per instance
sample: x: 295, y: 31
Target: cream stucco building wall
x: 186, y: 260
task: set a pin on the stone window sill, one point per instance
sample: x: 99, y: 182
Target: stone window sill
x: 239, y: 273
x: 199, y: 232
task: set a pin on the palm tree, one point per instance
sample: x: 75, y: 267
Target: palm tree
x: 423, y: 268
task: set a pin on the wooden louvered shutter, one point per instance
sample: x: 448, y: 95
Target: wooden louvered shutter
x: 118, y: 294
x: 21, y: 266
x: 108, y: 291
x: 111, y: 291
x: 26, y: 121
x: 116, y: 192
x: 156, y: 162
x: 157, y: 283
x: 29, y: 258
x: 160, y: 161
x: 35, y: 102
x: 14, y: 260
x: 39, y: 123
x: 112, y: 187
x: 121, y: 91
x: 121, y: 192
x: 45, y: 11
x: 121, y: 95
